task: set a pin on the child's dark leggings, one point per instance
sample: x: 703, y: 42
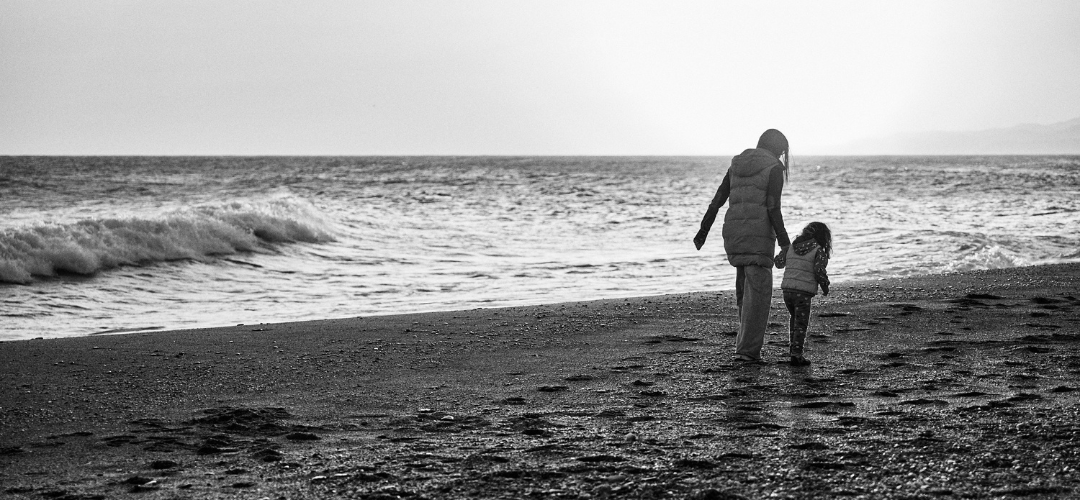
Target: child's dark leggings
x: 798, y: 304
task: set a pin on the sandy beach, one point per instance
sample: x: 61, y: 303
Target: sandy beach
x: 947, y: 386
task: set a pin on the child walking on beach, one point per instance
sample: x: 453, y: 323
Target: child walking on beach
x: 804, y: 264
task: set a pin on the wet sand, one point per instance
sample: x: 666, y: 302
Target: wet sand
x: 954, y: 386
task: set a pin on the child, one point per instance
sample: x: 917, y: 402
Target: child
x: 805, y: 262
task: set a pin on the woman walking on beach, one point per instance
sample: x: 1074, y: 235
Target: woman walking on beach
x: 753, y: 225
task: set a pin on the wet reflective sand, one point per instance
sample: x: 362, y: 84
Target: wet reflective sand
x: 949, y: 386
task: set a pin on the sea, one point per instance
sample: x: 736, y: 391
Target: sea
x: 105, y: 245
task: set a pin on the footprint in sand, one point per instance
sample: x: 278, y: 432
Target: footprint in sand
x: 1021, y: 397
x: 924, y: 402
x: 984, y: 296
x: 1036, y: 349
x: 611, y: 413
x: 689, y: 463
x: 579, y: 378
x: 906, y: 309
x: 656, y: 339
x: 302, y: 436
x: 600, y: 458
x: 267, y: 455
x: 761, y: 426
x: 938, y: 349
x: 712, y: 397
x: 735, y: 456
x: 851, y: 329
x: 825, y: 404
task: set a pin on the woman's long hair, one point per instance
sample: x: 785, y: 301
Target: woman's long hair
x: 777, y: 143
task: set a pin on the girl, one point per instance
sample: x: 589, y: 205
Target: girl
x: 805, y: 262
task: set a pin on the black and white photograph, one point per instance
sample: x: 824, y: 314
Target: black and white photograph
x: 539, y: 249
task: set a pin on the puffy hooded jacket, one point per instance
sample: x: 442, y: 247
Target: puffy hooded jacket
x: 749, y: 239
x: 799, y: 274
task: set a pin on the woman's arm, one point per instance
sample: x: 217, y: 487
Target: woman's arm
x: 772, y: 204
x: 718, y: 201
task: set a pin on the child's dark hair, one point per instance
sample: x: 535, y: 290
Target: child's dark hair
x: 821, y: 234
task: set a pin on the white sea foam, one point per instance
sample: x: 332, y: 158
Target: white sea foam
x: 199, y: 233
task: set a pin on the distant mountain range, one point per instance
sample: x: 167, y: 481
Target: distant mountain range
x: 1027, y: 139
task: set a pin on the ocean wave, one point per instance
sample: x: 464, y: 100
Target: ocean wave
x: 196, y: 233
x: 988, y: 256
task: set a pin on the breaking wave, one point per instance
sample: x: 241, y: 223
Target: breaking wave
x: 197, y: 233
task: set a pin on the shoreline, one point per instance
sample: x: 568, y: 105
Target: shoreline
x: 726, y: 286
x: 965, y: 380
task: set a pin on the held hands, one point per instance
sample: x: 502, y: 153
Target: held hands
x: 780, y: 261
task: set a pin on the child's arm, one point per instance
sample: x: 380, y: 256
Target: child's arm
x: 821, y: 261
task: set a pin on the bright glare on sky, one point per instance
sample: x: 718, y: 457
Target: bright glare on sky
x: 522, y: 77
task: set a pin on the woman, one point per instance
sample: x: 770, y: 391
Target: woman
x: 752, y: 226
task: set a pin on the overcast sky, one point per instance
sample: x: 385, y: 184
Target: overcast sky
x: 513, y: 77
